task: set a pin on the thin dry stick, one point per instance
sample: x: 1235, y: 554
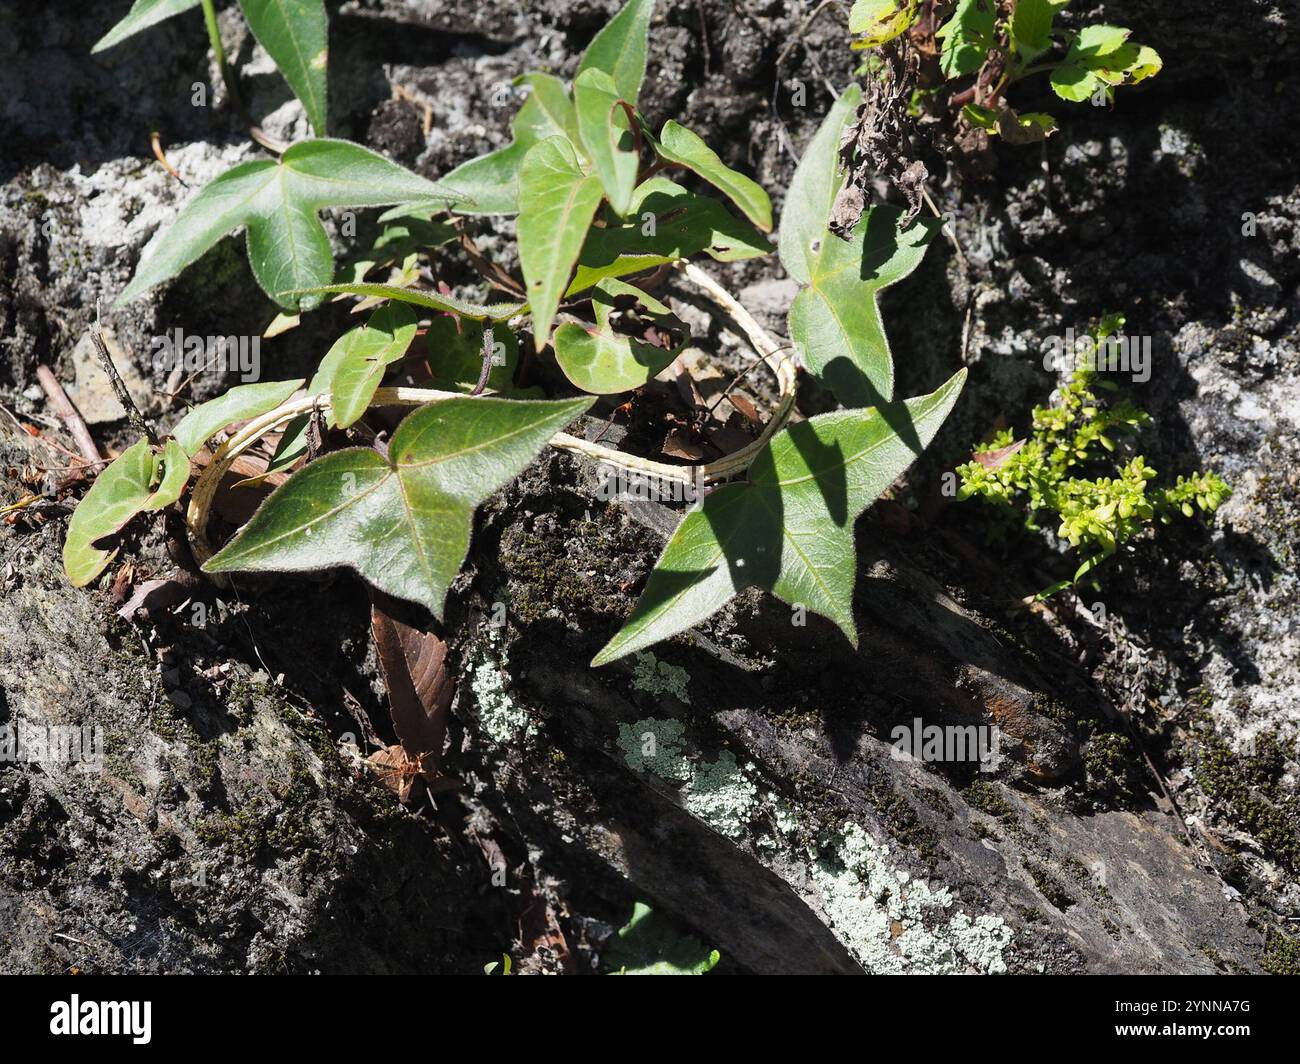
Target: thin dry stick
x: 72, y: 419
x: 133, y: 414
x: 948, y: 230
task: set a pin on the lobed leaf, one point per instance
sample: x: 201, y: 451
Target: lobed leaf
x: 278, y: 202
x: 812, y: 191
x: 489, y: 184
x: 1101, y: 57
x: 402, y: 522
x: 835, y: 320
x: 789, y: 527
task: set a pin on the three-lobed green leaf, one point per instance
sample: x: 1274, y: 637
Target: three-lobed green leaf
x: 835, y: 319
x: 402, y: 522
x: 278, y: 202
x: 489, y: 184
x: 788, y: 528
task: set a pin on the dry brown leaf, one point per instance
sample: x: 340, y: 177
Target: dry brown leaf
x: 420, y: 686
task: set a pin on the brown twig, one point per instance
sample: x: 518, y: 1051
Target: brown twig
x: 155, y: 139
x: 71, y: 417
x: 489, y: 345
x: 133, y: 414
x: 489, y: 270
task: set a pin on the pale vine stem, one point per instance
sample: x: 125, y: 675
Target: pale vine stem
x: 767, y: 349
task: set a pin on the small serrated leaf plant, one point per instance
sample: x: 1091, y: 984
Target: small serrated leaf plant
x: 995, y: 44
x: 1073, y: 469
x: 601, y: 219
x: 295, y: 34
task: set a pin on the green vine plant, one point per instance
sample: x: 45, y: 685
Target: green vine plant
x: 998, y: 43
x: 295, y: 34
x: 599, y: 222
x: 1072, y: 467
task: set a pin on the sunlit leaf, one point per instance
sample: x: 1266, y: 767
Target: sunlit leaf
x: 402, y: 522
x: 602, y: 361
x: 295, y: 34
x: 278, y: 202
x: 143, y: 14
x: 880, y: 21
x: 238, y: 404
x: 967, y: 37
x: 788, y: 528
x: 620, y: 48
x: 665, y: 223
x: 679, y: 145
x: 366, y: 353
x: 606, y: 132
x: 429, y: 300
x: 835, y: 320
x: 558, y: 202
x: 137, y: 480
